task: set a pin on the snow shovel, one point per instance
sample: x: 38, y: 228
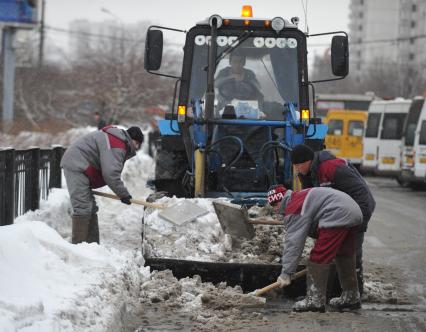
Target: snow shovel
x: 134, y: 201
x: 259, y: 292
x: 235, y: 221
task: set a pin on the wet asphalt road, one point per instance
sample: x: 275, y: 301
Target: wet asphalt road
x: 395, y: 241
x: 397, y: 234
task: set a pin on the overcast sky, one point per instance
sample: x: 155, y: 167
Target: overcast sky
x: 323, y: 15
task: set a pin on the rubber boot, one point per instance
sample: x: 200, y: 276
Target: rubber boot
x: 350, y: 298
x: 360, y: 278
x: 316, y: 288
x: 93, y: 235
x: 80, y: 228
x: 358, y: 260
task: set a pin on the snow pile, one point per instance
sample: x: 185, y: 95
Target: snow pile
x: 48, y: 284
x: 190, y: 294
x: 208, y: 306
x: 378, y: 292
x: 201, y: 239
x: 382, y: 285
x: 136, y: 173
x: 204, y: 240
x: 55, y: 212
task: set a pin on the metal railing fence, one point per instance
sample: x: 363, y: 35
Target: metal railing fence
x: 26, y: 177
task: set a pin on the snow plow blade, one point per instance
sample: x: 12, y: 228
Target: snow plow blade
x: 249, y: 276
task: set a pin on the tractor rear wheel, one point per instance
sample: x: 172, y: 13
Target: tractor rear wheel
x: 170, y: 168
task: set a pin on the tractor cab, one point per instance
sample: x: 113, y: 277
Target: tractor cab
x: 256, y: 77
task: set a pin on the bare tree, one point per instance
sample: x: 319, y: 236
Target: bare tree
x: 108, y: 77
x: 114, y: 78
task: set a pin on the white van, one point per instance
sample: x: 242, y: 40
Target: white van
x: 420, y: 149
x: 407, y: 151
x: 391, y: 130
x: 371, y: 136
x: 382, y: 139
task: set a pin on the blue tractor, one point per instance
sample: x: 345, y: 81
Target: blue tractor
x: 244, y: 99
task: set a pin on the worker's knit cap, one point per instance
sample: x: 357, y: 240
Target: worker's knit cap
x: 276, y: 194
x: 136, y: 134
x: 301, y: 153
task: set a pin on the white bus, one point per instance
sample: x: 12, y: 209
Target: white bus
x: 382, y: 141
x: 420, y: 148
x: 371, y: 136
x: 392, y: 128
x: 408, y: 139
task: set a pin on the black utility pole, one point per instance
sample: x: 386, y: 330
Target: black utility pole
x: 41, y: 43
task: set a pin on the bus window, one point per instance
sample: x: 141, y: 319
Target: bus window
x: 335, y: 127
x: 411, y: 121
x: 392, y: 126
x: 373, y: 125
x: 356, y: 128
x: 410, y: 134
x: 422, y: 138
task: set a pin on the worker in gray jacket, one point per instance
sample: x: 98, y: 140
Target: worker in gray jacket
x: 95, y: 160
x: 332, y: 217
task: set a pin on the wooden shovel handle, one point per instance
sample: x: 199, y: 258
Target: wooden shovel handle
x: 265, y: 221
x: 134, y: 201
x: 276, y: 284
x: 266, y: 289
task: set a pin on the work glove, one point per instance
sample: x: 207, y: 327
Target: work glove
x: 126, y: 200
x: 284, y: 280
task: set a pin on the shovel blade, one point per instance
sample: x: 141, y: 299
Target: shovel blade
x: 182, y: 212
x: 234, y: 220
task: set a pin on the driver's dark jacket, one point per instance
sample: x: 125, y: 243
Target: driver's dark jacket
x: 225, y: 75
x: 328, y: 171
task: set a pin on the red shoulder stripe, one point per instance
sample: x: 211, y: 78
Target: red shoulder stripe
x: 327, y: 169
x: 295, y: 204
x: 116, y: 143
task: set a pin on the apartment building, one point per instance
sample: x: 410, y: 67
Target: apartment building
x: 387, y: 31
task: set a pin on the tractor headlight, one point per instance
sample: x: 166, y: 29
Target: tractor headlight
x: 278, y: 24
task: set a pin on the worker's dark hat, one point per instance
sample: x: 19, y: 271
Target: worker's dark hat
x: 301, y: 153
x: 136, y: 134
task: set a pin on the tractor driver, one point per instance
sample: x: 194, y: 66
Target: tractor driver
x: 237, y: 82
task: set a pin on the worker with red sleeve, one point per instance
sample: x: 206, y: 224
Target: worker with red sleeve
x: 332, y: 217
x: 93, y: 161
x: 323, y: 169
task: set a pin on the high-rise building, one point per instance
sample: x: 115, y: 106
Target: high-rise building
x: 387, y: 32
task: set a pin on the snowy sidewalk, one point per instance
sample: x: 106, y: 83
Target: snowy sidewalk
x: 48, y: 284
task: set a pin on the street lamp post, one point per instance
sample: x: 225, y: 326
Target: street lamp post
x: 107, y: 11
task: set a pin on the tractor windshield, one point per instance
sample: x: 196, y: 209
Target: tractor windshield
x: 257, y: 77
